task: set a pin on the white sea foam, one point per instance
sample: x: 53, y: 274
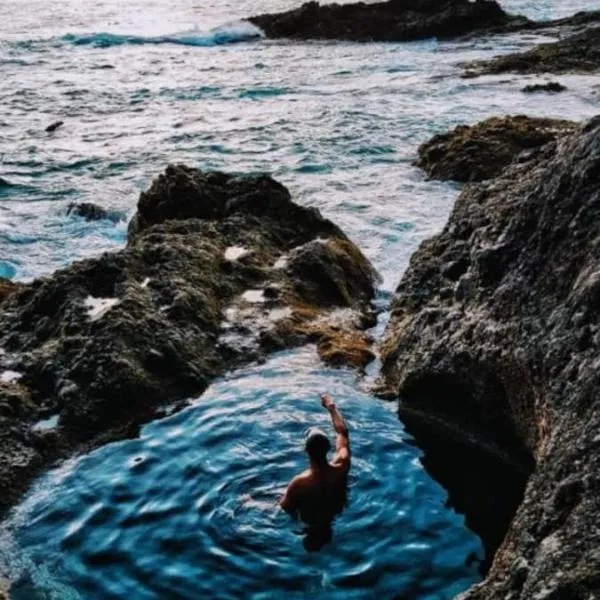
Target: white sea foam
x: 254, y: 296
x: 10, y: 376
x: 47, y: 424
x: 281, y: 262
x: 235, y: 252
x: 277, y: 314
x: 98, y: 307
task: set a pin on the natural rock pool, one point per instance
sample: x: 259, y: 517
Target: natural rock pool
x: 189, y: 509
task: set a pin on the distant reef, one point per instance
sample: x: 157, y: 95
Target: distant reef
x: 577, y: 53
x: 392, y: 21
x: 409, y: 20
x: 219, y: 270
x: 492, y: 349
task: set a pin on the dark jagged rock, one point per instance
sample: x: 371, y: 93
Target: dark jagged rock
x: 54, y: 126
x: 396, y: 20
x: 219, y: 270
x: 579, y: 53
x: 481, y: 151
x: 552, y: 87
x: 92, y: 212
x: 496, y: 363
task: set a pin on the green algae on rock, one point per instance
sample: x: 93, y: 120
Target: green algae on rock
x: 500, y: 357
x: 481, y: 151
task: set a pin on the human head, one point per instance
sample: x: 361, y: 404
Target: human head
x: 317, y: 445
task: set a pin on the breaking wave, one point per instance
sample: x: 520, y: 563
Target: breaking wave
x: 230, y: 33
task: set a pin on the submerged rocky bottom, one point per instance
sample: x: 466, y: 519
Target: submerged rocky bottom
x: 188, y: 509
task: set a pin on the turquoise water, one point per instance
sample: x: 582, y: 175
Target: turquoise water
x: 187, y: 510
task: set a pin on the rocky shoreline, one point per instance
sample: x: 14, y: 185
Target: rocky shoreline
x: 482, y: 151
x: 492, y: 348
x: 219, y: 271
x: 492, y: 344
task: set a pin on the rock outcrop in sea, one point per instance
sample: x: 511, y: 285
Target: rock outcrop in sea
x: 219, y: 270
x: 392, y: 21
x: 482, y: 151
x: 492, y: 349
x: 578, y: 53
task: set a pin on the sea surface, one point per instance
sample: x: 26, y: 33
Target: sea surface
x: 189, y: 510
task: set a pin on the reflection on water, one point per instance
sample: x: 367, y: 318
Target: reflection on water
x: 190, y: 510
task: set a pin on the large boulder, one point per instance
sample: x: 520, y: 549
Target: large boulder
x: 395, y: 20
x: 218, y: 271
x: 481, y: 151
x: 492, y: 348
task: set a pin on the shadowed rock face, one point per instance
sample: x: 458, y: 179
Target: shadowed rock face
x: 483, y: 150
x: 579, y: 53
x: 219, y: 270
x: 396, y: 20
x: 493, y: 347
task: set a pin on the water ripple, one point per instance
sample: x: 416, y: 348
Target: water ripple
x: 190, y: 507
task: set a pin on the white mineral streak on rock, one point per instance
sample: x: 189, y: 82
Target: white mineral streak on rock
x: 254, y: 296
x: 281, y: 262
x: 98, y: 307
x: 235, y: 252
x: 277, y: 314
x: 10, y: 376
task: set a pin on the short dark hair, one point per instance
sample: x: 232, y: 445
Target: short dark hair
x: 317, y: 446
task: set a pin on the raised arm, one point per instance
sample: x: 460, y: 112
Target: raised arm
x: 342, y: 437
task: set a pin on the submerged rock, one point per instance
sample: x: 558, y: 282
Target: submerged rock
x: 579, y: 53
x: 395, y: 20
x: 496, y: 362
x: 54, y: 126
x: 481, y: 151
x: 552, y: 87
x: 91, y: 212
x: 218, y: 271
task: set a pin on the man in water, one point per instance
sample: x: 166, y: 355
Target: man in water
x: 319, y: 494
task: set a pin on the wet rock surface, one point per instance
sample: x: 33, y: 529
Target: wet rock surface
x: 481, y: 151
x: 493, y: 345
x: 92, y: 212
x: 578, y: 53
x: 219, y: 270
x: 552, y: 87
x: 396, y: 20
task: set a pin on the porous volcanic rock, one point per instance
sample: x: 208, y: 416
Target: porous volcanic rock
x: 551, y: 87
x: 498, y: 355
x: 578, y: 53
x: 481, y: 151
x: 218, y: 271
x: 392, y: 21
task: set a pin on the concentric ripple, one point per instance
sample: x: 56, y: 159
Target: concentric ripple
x: 189, y: 510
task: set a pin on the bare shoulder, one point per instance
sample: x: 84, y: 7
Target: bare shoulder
x: 341, y: 460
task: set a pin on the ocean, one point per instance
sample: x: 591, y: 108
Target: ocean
x: 187, y: 511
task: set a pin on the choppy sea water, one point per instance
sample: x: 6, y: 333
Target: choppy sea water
x: 187, y: 510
